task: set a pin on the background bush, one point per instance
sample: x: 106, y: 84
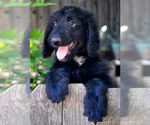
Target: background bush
x: 38, y: 65
x: 13, y: 68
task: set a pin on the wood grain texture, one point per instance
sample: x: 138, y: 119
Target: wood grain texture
x: 52, y: 9
x: 15, y: 106
x: 19, y: 17
x: 98, y: 7
x: 65, y: 3
x: 14, y: 18
x: 88, y: 5
x: 139, y: 107
x: 41, y: 17
x: 33, y: 18
x: 146, y: 81
x: 43, y: 112
x: 4, y: 16
x: 132, y: 15
x: 73, y: 106
x: 113, y: 117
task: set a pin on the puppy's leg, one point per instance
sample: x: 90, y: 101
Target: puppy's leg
x: 57, y: 81
x: 95, y: 100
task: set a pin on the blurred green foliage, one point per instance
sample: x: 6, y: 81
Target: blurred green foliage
x: 36, y: 34
x: 37, y: 3
x: 11, y: 34
x: 38, y: 65
x: 40, y: 3
x: 13, y: 67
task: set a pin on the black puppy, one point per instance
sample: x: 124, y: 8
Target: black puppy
x: 73, y: 34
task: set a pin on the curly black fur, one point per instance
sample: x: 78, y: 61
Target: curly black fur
x: 71, y: 24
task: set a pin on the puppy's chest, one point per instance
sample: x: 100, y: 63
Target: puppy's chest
x: 79, y: 60
x: 76, y: 75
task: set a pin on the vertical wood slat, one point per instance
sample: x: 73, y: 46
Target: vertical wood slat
x: 15, y: 106
x: 135, y: 14
x: 54, y: 8
x: 19, y: 17
x: 88, y: 5
x: 13, y: 17
x: 129, y: 10
x: 73, y: 107
x: 80, y: 3
x: 98, y: 7
x: 139, y: 108
x: 4, y: 18
x: 114, y: 17
x: 113, y: 117
x: 43, y: 112
x: 70, y: 112
x: 66, y: 2
x: 102, y: 12
x: 41, y: 17
x: 33, y: 20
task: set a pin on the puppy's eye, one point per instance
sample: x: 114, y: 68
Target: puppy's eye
x: 55, y: 23
x: 72, y: 24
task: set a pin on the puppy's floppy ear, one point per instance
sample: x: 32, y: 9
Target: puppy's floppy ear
x: 47, y: 48
x: 93, y: 39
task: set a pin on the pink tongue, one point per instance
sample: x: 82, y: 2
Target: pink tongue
x: 62, y: 52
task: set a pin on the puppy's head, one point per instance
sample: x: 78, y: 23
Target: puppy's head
x: 70, y: 31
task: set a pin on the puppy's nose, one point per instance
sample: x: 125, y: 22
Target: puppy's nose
x: 56, y: 41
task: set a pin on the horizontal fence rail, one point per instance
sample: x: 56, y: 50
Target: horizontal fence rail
x: 17, y: 108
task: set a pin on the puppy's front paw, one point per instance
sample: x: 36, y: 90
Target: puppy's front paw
x: 94, y: 110
x: 94, y: 114
x: 57, y: 90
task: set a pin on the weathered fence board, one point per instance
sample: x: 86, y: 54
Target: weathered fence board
x: 139, y: 107
x: 14, y: 18
x: 135, y: 14
x: 18, y: 17
x: 146, y: 81
x: 73, y: 107
x: 33, y: 16
x: 70, y: 112
x: 113, y: 117
x: 15, y: 106
x: 43, y: 112
x: 104, y: 15
x: 108, y: 12
x: 4, y: 15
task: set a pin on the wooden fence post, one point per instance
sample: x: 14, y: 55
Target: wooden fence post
x: 15, y: 106
x: 70, y: 112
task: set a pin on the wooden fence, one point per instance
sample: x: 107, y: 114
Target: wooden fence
x: 134, y: 13
x: 106, y: 11
x: 70, y: 112
x: 17, y: 108
x: 14, y: 18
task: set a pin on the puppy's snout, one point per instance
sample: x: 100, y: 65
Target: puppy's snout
x: 56, y: 41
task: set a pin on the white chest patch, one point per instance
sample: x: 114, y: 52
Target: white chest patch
x: 79, y: 59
